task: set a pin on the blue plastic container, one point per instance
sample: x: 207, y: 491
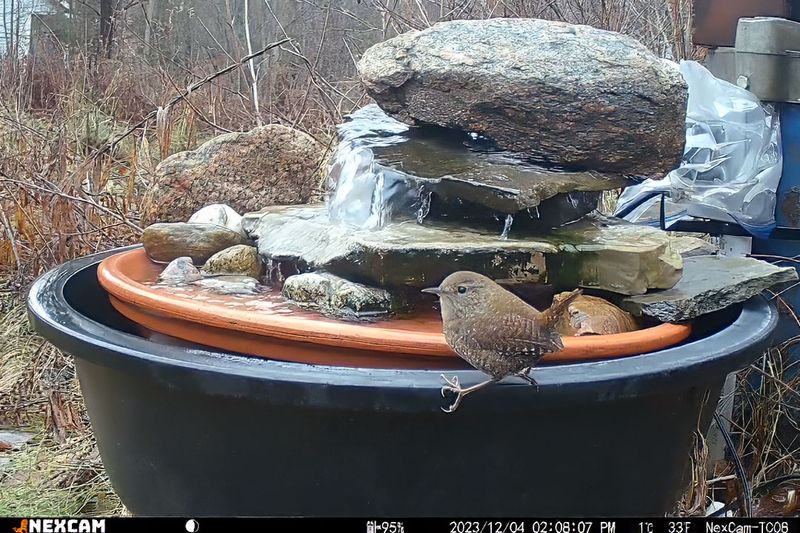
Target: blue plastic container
x: 785, y: 241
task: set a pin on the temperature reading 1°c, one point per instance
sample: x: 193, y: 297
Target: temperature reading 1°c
x: 645, y: 527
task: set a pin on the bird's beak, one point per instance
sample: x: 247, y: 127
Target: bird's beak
x: 433, y: 290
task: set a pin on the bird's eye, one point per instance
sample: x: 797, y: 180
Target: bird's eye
x: 461, y: 289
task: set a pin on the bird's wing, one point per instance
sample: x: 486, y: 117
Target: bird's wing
x: 522, y: 335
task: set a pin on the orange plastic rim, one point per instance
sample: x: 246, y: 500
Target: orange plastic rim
x: 309, y: 338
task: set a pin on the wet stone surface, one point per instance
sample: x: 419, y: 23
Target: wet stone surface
x: 384, y: 170
x: 180, y: 271
x: 336, y: 296
x: 595, y: 252
x: 242, y: 260
x: 230, y: 284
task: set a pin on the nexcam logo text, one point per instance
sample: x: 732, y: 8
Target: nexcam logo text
x: 61, y: 525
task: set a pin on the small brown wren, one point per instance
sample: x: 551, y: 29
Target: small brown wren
x: 493, y: 330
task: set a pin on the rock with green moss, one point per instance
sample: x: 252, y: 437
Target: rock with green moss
x: 240, y: 260
x: 337, y: 296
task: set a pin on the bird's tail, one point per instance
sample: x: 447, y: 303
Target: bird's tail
x: 554, y: 312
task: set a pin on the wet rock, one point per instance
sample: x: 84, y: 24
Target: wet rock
x: 710, y: 283
x: 229, y: 284
x: 180, y: 271
x: 384, y: 170
x: 219, y: 214
x: 564, y: 94
x: 598, y: 252
x: 590, y: 315
x: 168, y: 241
x: 337, y: 296
x: 240, y: 260
x: 268, y: 165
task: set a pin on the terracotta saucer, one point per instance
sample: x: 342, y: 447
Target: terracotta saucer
x: 265, y: 326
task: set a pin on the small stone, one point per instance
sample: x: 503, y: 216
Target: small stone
x: 590, y: 315
x: 169, y: 241
x: 337, y: 296
x: 710, y: 283
x: 180, y: 271
x: 233, y: 285
x: 240, y: 260
x: 219, y: 214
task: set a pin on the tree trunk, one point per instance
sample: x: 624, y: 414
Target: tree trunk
x: 106, y: 26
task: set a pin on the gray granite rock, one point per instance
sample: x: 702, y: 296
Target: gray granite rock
x: 596, y: 252
x: 242, y: 260
x: 564, y: 94
x: 268, y: 165
x: 180, y: 271
x: 167, y: 241
x: 708, y: 284
x: 337, y: 296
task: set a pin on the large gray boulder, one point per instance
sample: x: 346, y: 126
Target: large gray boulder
x: 272, y: 164
x: 596, y: 252
x: 563, y: 94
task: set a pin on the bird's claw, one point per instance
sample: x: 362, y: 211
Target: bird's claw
x: 452, y: 383
x: 454, y: 386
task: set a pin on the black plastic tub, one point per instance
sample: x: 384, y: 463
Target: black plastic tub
x: 190, y: 431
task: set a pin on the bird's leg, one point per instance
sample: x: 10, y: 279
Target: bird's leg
x: 454, y: 386
x: 525, y: 374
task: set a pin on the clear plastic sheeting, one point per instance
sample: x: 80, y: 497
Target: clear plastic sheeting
x: 731, y: 165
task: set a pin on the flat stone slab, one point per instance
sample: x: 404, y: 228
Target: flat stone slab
x: 564, y: 94
x: 382, y: 166
x: 596, y: 252
x: 708, y: 284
